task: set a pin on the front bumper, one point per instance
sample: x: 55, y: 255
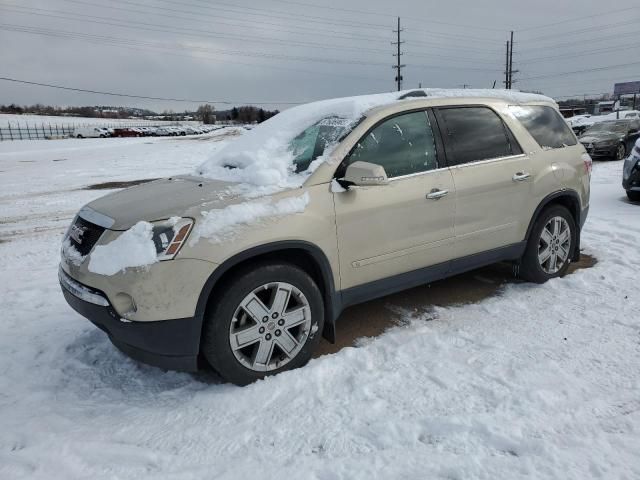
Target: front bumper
x: 168, y: 344
x: 631, y: 176
x: 601, y: 152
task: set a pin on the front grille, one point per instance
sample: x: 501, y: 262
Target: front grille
x: 83, y: 235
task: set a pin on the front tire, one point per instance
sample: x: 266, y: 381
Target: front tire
x: 633, y: 196
x: 621, y: 152
x: 267, y: 319
x: 550, y: 246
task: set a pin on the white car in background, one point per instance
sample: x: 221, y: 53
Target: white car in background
x: 90, y: 132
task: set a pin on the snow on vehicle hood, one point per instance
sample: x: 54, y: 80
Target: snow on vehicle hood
x: 261, y: 157
x: 162, y: 199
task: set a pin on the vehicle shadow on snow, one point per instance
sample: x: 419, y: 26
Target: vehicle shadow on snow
x: 92, y: 360
x: 373, y: 318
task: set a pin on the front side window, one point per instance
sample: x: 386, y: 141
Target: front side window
x: 403, y: 145
x: 474, y: 134
x: 545, y: 125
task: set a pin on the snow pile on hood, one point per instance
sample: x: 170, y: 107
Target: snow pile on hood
x: 220, y: 224
x: 133, y: 248
x: 262, y: 157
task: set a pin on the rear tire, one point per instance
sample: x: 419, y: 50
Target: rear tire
x: 550, y: 246
x: 633, y: 196
x: 261, y: 313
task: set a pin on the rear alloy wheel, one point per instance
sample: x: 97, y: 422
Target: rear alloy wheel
x: 621, y: 152
x: 550, y: 246
x: 268, y: 319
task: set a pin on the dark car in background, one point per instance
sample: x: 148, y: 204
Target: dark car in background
x: 631, y: 174
x: 611, y: 139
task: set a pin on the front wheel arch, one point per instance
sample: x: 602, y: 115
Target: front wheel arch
x: 304, y: 254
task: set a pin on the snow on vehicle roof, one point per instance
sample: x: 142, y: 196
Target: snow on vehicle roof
x: 263, y: 155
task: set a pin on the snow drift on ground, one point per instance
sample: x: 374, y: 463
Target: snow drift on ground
x: 537, y: 382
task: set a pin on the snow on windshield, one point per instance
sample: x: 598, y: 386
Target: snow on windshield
x: 269, y: 155
x: 265, y: 155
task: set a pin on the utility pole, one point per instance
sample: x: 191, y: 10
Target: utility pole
x: 511, y: 70
x: 506, y: 69
x: 398, y: 67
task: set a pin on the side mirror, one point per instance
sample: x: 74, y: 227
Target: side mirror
x: 364, y: 174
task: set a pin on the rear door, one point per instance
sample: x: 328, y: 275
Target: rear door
x: 491, y: 175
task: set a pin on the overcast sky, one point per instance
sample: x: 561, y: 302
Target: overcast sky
x: 301, y: 50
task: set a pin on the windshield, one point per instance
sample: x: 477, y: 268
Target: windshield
x: 312, y: 142
x: 613, y: 127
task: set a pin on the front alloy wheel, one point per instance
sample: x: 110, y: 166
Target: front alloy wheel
x: 270, y: 326
x: 263, y: 319
x: 621, y: 152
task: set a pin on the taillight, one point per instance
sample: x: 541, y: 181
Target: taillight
x: 588, y: 163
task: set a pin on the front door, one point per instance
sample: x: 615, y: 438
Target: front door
x: 392, y: 229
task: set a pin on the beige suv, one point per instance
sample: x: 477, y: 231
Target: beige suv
x: 246, y: 264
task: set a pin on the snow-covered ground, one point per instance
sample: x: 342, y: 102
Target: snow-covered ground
x: 15, y: 120
x: 540, y: 381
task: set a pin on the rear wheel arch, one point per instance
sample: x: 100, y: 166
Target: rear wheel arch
x: 568, y: 199
x: 305, y: 255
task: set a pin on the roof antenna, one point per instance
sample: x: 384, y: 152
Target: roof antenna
x: 413, y: 93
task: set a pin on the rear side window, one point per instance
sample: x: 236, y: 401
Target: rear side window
x: 545, y: 125
x: 473, y: 134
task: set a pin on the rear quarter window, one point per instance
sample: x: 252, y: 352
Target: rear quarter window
x: 545, y: 125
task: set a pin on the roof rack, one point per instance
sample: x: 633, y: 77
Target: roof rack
x: 413, y: 93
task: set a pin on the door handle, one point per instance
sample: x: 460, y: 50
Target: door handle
x: 437, y: 194
x: 520, y: 176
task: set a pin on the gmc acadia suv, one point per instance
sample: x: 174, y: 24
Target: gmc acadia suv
x: 404, y: 190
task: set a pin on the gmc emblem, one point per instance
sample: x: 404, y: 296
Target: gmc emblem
x: 76, y: 233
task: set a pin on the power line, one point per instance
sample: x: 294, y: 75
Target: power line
x: 421, y: 20
x: 575, y: 19
x: 305, y: 32
x: 584, y: 52
x: 183, y: 31
x: 119, y: 41
x: 581, y: 42
x: 596, y: 69
x: 114, y: 94
x: 587, y: 30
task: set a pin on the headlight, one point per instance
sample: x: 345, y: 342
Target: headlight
x: 170, y: 235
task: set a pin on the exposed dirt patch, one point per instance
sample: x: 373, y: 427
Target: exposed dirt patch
x: 373, y: 318
x: 113, y: 185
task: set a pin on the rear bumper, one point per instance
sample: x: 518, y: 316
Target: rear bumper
x: 168, y: 344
